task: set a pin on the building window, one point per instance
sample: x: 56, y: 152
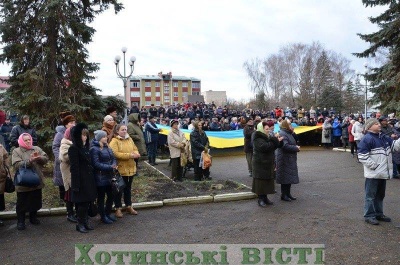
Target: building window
x: 175, y: 94
x: 135, y: 84
x: 195, y: 85
x: 148, y: 103
x: 166, y: 90
x: 184, y: 84
x: 135, y: 94
x: 166, y: 101
x: 158, y: 94
x: 184, y: 94
x: 158, y: 103
x: 157, y: 84
x: 196, y: 93
x: 166, y: 98
x: 175, y: 84
x: 147, y: 94
x: 148, y: 84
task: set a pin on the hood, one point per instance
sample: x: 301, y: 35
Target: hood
x: 134, y: 117
x: 61, y: 129
x: 94, y: 142
x: 76, y: 135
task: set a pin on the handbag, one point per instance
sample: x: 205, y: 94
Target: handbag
x: 117, y: 183
x: 26, y: 177
x: 93, y: 209
x: 9, y: 185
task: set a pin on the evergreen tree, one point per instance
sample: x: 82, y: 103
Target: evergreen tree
x: 384, y: 80
x: 322, y: 78
x: 44, y: 41
x: 306, y: 98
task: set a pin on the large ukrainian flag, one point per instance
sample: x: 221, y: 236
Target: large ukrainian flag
x: 227, y: 139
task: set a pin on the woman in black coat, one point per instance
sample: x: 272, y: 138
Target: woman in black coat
x: 286, y: 162
x: 83, y: 183
x: 263, y: 163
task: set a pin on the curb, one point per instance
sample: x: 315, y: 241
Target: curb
x: 153, y: 204
x: 339, y: 149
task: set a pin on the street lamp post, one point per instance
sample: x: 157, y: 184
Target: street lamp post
x: 366, y: 90
x: 123, y: 76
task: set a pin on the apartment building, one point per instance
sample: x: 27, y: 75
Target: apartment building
x: 165, y: 89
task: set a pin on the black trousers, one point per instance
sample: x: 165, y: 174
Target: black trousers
x: 199, y: 172
x: 82, y: 212
x: 102, y: 191
x: 176, y: 169
x: 127, y: 193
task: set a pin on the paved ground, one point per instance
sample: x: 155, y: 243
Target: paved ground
x: 328, y: 211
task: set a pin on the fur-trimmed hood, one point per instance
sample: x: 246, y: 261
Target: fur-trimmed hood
x: 76, y: 135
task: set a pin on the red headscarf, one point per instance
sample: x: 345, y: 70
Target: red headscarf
x: 21, y: 142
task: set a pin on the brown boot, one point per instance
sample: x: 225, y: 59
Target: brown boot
x: 118, y: 213
x: 130, y: 210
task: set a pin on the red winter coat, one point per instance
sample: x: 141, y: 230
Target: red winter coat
x: 351, y: 136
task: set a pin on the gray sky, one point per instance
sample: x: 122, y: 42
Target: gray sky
x: 211, y: 39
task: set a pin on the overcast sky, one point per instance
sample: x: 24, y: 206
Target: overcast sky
x: 211, y: 39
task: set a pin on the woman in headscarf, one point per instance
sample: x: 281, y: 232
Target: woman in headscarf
x: 286, y: 161
x: 263, y: 163
x: 29, y: 199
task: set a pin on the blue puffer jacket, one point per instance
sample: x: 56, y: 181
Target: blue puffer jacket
x: 375, y: 153
x: 336, y: 129
x: 102, y: 162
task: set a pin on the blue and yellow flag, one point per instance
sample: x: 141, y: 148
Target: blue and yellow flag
x: 227, y: 139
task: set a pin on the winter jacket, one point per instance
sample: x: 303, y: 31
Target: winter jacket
x: 3, y: 164
x: 198, y: 141
x: 215, y: 126
x: 357, y: 131
x: 64, y: 163
x: 326, y: 132
x: 122, y: 149
x: 57, y: 177
x: 176, y: 142
x: 83, y: 183
x: 263, y: 163
x: 345, y: 132
x: 375, y: 153
x: 20, y: 129
x: 103, y: 161
x: 247, y: 133
x: 351, y: 136
x: 135, y: 131
x: 336, y: 129
x: 20, y: 158
x: 151, y: 132
x: 286, y: 160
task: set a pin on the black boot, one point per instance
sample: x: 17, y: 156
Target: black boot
x: 268, y: 201
x: 70, y: 213
x: 289, y: 194
x: 81, y: 213
x: 80, y: 227
x: 284, y: 193
x: 87, y: 225
x: 33, y: 218
x: 261, y: 201
x: 21, y: 221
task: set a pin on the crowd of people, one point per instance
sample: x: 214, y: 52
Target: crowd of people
x: 84, y: 169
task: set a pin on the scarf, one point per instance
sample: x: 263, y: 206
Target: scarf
x: 21, y: 142
x: 260, y: 128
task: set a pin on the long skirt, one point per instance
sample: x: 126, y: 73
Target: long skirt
x: 30, y: 201
x: 263, y: 186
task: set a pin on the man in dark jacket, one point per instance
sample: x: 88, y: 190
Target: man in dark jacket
x: 23, y: 127
x: 151, y: 136
x: 248, y: 145
x: 199, y: 143
x: 5, y: 131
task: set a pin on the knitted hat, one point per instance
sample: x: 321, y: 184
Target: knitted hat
x: 67, y: 119
x: 285, y: 125
x: 369, y: 123
x: 270, y: 123
x: 108, y: 117
x: 99, y: 134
